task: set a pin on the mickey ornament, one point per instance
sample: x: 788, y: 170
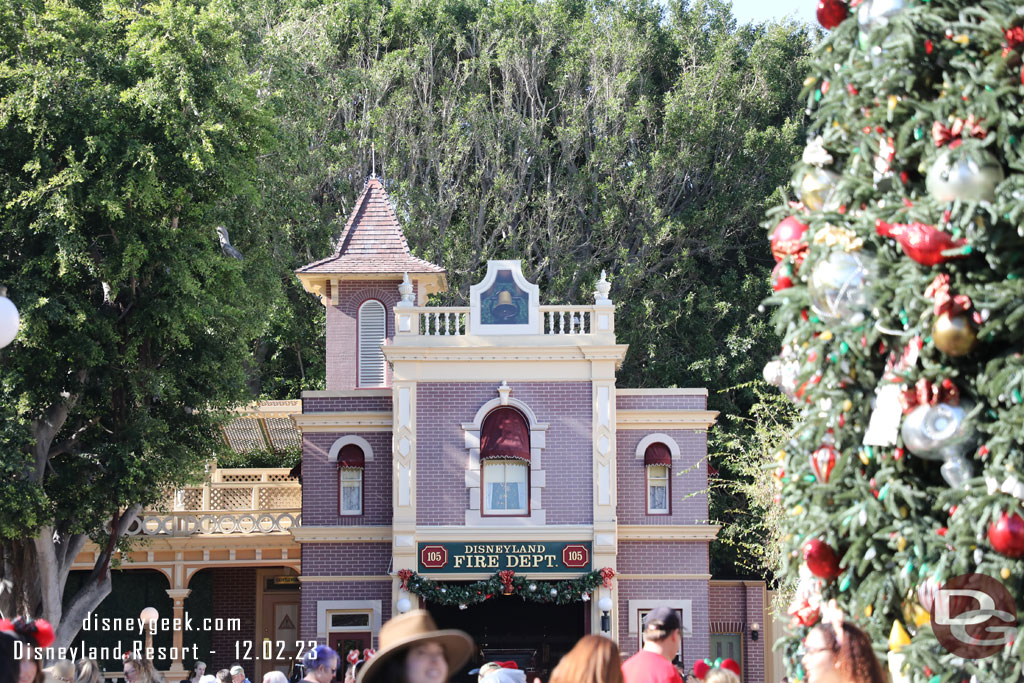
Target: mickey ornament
x: 935, y: 428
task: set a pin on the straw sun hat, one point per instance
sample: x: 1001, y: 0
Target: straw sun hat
x: 409, y: 630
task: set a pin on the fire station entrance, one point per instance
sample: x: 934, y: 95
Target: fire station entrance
x: 533, y: 635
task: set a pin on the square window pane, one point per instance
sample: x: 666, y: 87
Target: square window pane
x: 658, y: 497
x: 351, y: 498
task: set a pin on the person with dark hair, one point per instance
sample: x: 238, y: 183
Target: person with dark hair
x: 839, y: 652
x: 414, y: 650
x: 320, y: 664
x: 31, y: 633
x: 662, y: 637
x: 594, y: 659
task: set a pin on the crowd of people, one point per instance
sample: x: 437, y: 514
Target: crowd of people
x: 414, y: 650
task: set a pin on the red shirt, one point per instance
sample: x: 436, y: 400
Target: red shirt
x: 649, y: 667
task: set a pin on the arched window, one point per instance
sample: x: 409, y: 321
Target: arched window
x: 505, y: 463
x: 372, y: 334
x: 658, y: 463
x: 351, y: 461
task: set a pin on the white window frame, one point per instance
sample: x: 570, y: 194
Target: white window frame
x: 667, y: 480
x: 493, y: 465
x: 358, y: 472
x: 370, y: 347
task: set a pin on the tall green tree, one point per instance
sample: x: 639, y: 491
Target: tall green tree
x: 126, y: 132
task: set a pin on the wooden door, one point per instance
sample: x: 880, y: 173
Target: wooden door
x: 280, y: 634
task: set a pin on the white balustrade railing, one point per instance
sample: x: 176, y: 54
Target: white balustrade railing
x: 233, y: 501
x: 444, y: 321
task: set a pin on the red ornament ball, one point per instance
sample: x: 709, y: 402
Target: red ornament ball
x: 832, y: 12
x: 1007, y: 535
x: 788, y: 238
x: 782, y: 275
x: 821, y: 559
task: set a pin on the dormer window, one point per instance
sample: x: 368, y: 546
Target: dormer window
x: 372, y: 334
x: 505, y: 463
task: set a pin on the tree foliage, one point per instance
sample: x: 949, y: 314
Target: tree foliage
x: 124, y: 129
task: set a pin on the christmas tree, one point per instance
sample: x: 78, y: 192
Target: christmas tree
x: 900, y: 295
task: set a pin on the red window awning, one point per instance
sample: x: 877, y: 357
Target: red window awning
x: 351, y: 456
x: 658, y: 454
x: 505, y: 434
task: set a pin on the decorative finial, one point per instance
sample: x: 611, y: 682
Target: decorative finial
x: 405, y: 289
x: 373, y: 160
x: 504, y: 390
x: 603, y: 289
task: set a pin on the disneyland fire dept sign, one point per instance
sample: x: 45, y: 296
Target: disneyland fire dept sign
x: 458, y: 558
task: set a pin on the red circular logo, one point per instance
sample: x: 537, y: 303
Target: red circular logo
x: 575, y: 556
x: 974, y: 616
x: 434, y: 556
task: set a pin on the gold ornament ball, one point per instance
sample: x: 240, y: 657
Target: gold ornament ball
x: 816, y: 187
x: 953, y: 334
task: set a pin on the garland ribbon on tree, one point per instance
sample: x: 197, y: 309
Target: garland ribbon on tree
x: 505, y: 583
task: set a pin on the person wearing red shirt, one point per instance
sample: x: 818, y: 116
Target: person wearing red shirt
x: 653, y: 664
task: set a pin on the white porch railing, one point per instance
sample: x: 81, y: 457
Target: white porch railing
x: 453, y: 321
x: 233, y: 501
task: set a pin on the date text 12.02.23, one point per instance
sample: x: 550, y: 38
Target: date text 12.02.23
x: 245, y: 650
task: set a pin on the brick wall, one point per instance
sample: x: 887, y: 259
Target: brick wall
x: 335, y: 404
x: 662, y: 557
x: 315, y: 591
x: 442, y: 457
x: 689, y: 479
x: 320, y: 482
x: 345, y: 559
x: 341, y: 326
x: 234, y: 596
x: 742, y: 603
x: 696, y: 646
x: 665, y: 402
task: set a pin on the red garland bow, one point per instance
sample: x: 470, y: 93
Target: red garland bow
x: 948, y: 303
x: 952, y: 135
x: 405, y: 575
x: 925, y: 393
x: 353, y: 656
x: 506, y: 577
x: 607, y: 574
x: 1014, y: 37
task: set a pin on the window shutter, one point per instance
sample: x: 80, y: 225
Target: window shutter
x: 372, y: 333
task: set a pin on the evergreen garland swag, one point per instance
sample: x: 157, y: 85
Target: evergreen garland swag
x: 465, y: 594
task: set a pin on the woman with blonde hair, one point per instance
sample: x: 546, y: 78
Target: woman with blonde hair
x: 88, y: 671
x: 594, y: 659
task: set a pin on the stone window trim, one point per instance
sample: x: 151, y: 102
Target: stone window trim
x: 353, y: 440
x: 538, y: 434
x: 685, y: 607
x: 325, y: 608
x: 673, y: 447
x: 342, y: 471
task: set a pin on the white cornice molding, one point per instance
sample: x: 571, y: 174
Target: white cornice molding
x: 662, y: 392
x: 347, y: 393
x: 665, y: 419
x: 457, y: 534
x: 469, y: 351
x: 675, y: 532
x: 351, y: 421
x: 342, y: 534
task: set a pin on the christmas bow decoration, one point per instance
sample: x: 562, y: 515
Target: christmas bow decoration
x: 38, y: 631
x: 405, y: 575
x: 953, y: 134
x: 353, y: 656
x: 946, y: 302
x: 924, y: 393
x: 1014, y: 37
x: 923, y: 243
x: 506, y: 577
x: 607, y: 574
x: 832, y: 615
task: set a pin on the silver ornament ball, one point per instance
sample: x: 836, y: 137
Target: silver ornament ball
x: 965, y: 175
x: 957, y: 471
x: 773, y: 372
x: 839, y: 286
x: 938, y: 432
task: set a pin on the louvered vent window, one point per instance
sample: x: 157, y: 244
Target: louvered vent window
x: 372, y: 332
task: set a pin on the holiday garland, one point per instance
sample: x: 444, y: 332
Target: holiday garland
x: 505, y: 583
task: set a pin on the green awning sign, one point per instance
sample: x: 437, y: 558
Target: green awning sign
x: 558, y: 557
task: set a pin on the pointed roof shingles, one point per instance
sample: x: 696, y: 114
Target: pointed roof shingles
x: 372, y: 240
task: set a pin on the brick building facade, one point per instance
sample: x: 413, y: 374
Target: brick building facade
x: 501, y: 422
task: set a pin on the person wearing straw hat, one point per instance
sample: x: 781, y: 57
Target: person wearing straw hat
x: 413, y: 650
